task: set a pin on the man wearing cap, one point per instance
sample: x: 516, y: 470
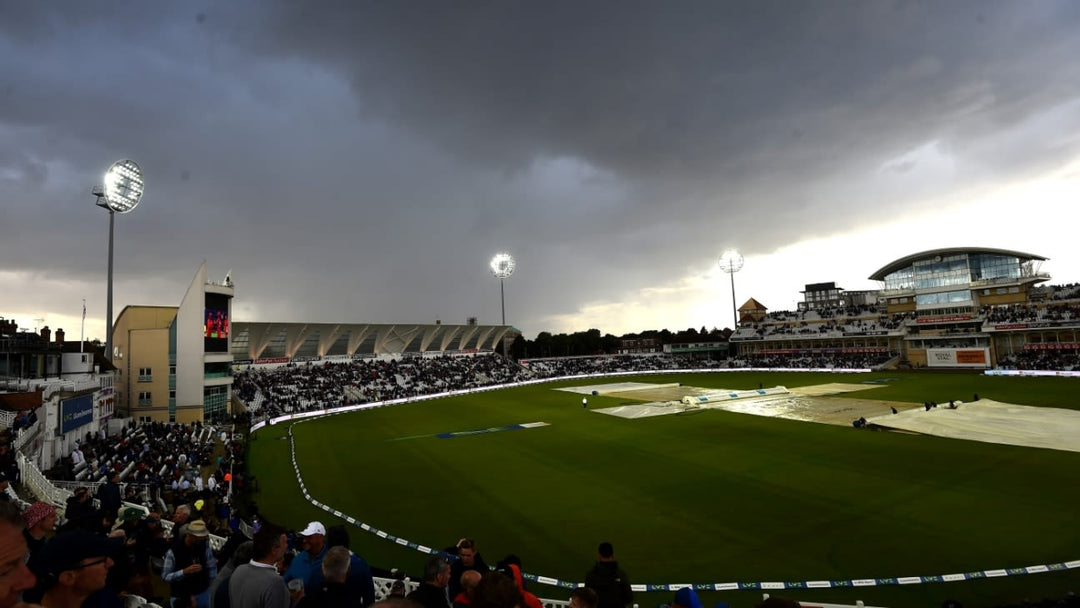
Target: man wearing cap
x: 190, y: 567
x: 15, y: 577
x: 71, y: 567
x: 309, y: 560
x: 40, y: 521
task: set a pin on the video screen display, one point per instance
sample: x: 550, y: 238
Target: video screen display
x: 216, y: 323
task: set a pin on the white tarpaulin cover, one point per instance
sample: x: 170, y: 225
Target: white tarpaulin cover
x: 994, y: 422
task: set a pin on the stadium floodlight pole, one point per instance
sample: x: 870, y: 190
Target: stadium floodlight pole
x: 121, y: 193
x: 731, y: 261
x: 502, y: 266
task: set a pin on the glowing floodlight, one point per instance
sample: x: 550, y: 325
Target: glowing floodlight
x: 731, y: 261
x: 122, y: 191
x: 502, y: 265
x: 123, y: 186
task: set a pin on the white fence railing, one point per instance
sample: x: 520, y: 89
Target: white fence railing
x: 27, y: 434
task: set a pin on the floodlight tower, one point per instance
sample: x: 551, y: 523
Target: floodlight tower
x: 731, y: 261
x: 121, y: 193
x: 502, y: 266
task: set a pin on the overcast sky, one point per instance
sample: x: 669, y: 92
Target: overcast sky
x: 362, y: 161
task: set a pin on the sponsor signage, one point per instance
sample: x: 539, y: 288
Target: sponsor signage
x: 876, y: 332
x: 948, y: 319
x: 1053, y: 346
x: 860, y: 350
x: 75, y: 413
x: 957, y: 357
x: 1034, y: 325
x: 272, y: 360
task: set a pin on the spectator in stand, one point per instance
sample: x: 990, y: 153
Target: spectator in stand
x: 360, y: 584
x: 331, y: 591
x: 469, y: 580
x: 583, y: 597
x: 109, y: 494
x: 80, y: 509
x: 257, y: 583
x: 496, y: 590
x: 4, y: 483
x: 72, y: 567
x: 308, y: 561
x: 189, y: 568
x: 219, y: 589
x: 686, y: 598
x: 468, y: 559
x: 8, y: 465
x: 15, y: 577
x: 40, y: 522
x: 77, y: 456
x: 608, y: 580
x: 432, y: 592
x: 511, y: 567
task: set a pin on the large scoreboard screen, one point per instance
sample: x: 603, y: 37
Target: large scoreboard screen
x: 216, y: 323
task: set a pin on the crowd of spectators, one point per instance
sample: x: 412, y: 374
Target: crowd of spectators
x: 1065, y: 361
x: 1069, y: 291
x: 1029, y: 313
x: 611, y: 364
x: 816, y: 361
x: 826, y: 323
x: 306, y: 386
x: 152, y: 455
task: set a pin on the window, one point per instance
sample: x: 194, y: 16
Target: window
x: 145, y: 398
x: 146, y: 374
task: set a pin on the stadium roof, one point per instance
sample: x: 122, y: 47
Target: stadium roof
x: 256, y: 340
x: 911, y: 259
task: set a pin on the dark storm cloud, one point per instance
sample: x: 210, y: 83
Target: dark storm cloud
x: 370, y: 157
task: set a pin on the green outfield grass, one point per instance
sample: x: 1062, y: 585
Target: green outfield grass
x: 699, y: 498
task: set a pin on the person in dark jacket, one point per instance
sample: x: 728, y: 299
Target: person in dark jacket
x: 608, y: 580
x: 359, y: 582
x: 332, y: 590
x: 468, y: 558
x: 109, y: 494
x: 432, y: 592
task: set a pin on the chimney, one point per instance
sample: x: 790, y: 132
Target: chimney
x: 46, y: 334
x: 60, y: 335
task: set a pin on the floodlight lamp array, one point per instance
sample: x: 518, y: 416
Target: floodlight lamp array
x: 731, y: 261
x: 502, y: 265
x: 123, y: 186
